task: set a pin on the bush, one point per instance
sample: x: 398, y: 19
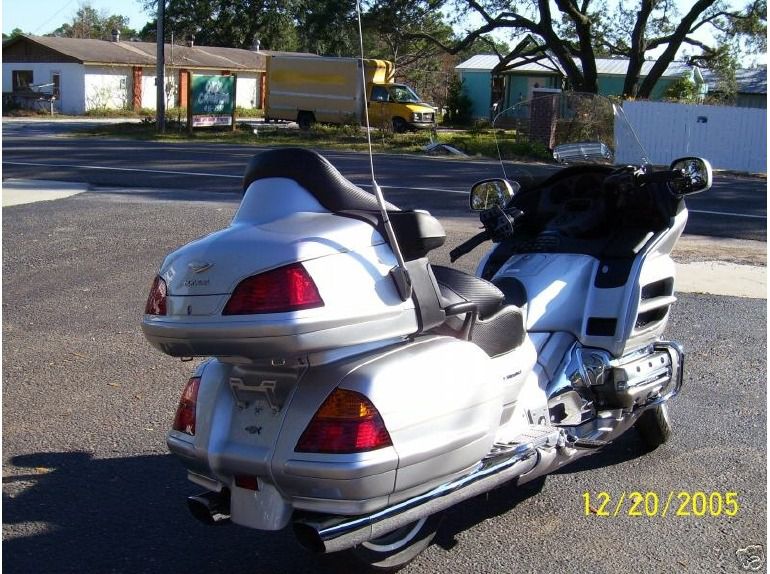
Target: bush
x: 248, y: 112
x: 683, y: 90
x: 458, y: 104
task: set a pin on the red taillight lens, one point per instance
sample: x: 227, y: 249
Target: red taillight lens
x: 184, y: 421
x: 347, y: 422
x: 288, y: 288
x: 156, y: 302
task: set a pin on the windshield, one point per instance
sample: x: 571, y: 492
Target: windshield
x: 403, y: 94
x: 568, y: 128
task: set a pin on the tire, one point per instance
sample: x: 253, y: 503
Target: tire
x: 305, y: 120
x: 399, y: 125
x: 654, y: 427
x: 396, y: 549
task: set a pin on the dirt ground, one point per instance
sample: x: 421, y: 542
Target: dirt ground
x: 691, y: 248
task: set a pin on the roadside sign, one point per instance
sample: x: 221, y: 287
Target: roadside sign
x: 211, y: 101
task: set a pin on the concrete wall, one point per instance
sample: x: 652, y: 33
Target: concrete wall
x: 108, y: 87
x: 85, y: 88
x: 729, y: 137
x: 247, y: 91
x: 72, y: 87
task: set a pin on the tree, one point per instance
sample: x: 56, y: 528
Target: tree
x: 14, y: 33
x: 328, y: 27
x: 577, y: 32
x: 90, y: 23
x: 229, y: 23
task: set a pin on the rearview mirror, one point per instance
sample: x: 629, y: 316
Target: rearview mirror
x: 490, y: 192
x: 698, y: 172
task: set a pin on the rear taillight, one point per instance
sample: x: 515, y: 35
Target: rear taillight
x: 184, y: 421
x: 347, y: 422
x: 156, y: 302
x: 288, y: 288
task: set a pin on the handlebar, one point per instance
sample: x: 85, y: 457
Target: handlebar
x: 499, y: 224
x: 667, y: 176
x: 468, y: 246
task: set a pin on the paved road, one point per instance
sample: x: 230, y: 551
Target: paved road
x: 88, y: 486
x: 735, y: 207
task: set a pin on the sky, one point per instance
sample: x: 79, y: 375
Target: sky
x: 40, y: 17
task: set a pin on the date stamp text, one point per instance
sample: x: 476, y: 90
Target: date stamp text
x: 652, y: 504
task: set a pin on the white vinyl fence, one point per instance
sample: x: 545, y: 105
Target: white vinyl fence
x: 730, y: 138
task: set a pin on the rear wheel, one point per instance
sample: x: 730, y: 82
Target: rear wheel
x: 305, y: 120
x: 396, y: 549
x: 654, y: 426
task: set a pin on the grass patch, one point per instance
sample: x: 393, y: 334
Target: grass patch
x: 473, y: 142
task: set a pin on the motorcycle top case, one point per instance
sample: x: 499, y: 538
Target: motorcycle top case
x: 279, y: 223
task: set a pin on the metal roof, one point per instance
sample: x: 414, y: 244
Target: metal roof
x: 480, y: 62
x: 141, y: 53
x: 545, y: 65
x: 749, y: 80
x: 619, y: 66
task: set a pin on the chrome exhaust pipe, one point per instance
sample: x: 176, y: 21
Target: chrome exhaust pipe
x: 212, y: 508
x: 332, y: 534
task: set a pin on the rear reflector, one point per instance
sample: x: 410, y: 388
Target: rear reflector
x: 288, y: 288
x: 184, y: 420
x: 347, y: 422
x: 248, y: 482
x: 156, y: 302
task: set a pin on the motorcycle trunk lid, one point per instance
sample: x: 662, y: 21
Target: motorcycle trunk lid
x: 346, y: 257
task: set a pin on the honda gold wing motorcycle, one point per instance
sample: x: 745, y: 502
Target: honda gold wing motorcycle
x: 354, y: 391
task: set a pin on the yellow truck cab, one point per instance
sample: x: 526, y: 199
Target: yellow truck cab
x: 400, y: 106
x: 309, y: 89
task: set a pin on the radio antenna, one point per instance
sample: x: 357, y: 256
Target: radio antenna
x: 400, y: 273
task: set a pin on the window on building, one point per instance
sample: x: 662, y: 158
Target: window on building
x: 22, y: 80
x: 56, y: 81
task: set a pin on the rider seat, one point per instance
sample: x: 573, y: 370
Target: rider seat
x: 498, y: 328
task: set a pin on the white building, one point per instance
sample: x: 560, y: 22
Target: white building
x: 86, y: 74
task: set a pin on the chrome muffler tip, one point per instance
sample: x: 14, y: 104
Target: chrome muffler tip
x: 308, y: 537
x: 212, y: 508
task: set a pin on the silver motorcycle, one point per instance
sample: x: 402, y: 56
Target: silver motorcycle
x: 356, y: 391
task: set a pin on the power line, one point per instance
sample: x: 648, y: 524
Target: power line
x: 59, y: 11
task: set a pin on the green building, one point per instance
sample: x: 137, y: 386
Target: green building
x: 489, y: 89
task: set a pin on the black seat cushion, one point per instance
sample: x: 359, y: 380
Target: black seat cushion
x: 487, y: 297
x: 499, y: 328
x: 417, y: 232
x: 316, y: 174
x: 500, y: 333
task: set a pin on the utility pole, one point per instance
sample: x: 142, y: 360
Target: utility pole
x: 160, y: 80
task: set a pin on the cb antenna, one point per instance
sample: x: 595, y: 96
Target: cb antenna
x: 400, y: 273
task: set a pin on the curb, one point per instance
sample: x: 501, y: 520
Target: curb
x: 22, y: 191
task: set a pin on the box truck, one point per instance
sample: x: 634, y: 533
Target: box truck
x: 309, y: 89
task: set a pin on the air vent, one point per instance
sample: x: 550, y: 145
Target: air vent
x: 601, y: 326
x: 662, y: 288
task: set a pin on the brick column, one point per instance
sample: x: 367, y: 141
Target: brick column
x: 184, y: 88
x: 543, y: 114
x: 136, y: 88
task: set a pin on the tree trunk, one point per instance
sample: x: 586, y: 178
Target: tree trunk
x: 638, y: 48
x: 672, y: 47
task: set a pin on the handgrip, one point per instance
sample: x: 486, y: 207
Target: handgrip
x: 468, y: 246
